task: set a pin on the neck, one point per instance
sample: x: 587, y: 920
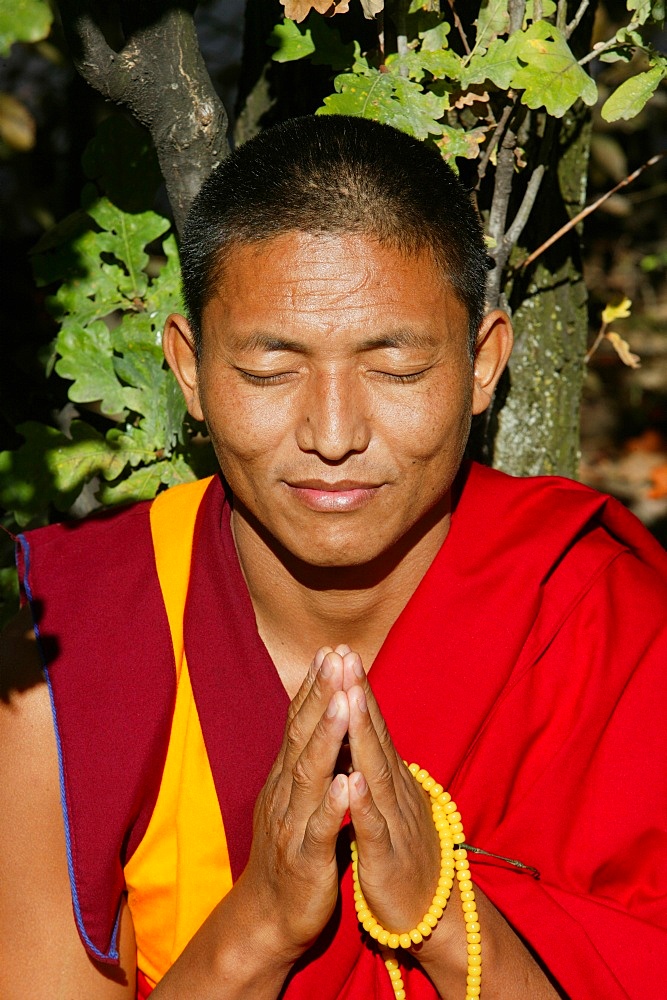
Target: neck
x: 300, y: 607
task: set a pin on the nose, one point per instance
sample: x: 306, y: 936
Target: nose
x: 334, y: 421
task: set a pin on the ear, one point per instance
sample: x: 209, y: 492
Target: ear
x: 178, y: 345
x: 492, y: 350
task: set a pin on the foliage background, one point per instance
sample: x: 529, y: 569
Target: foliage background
x: 115, y: 422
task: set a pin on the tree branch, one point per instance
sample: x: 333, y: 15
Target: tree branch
x: 576, y: 20
x: 160, y: 76
x: 590, y: 208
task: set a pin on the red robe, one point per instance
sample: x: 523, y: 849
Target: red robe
x: 527, y: 673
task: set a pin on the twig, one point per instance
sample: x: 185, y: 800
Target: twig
x: 591, y: 208
x: 495, y: 138
x: 561, y: 14
x: 596, y: 343
x: 459, y: 27
x: 601, y: 47
x: 517, y: 12
x: 576, y: 20
x: 526, y: 206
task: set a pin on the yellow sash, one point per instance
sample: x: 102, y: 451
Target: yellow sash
x: 180, y: 870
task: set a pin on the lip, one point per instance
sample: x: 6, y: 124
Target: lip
x: 342, y: 496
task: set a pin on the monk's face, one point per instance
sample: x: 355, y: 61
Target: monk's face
x: 338, y: 390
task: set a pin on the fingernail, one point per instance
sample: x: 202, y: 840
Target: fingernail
x: 361, y: 700
x: 360, y: 784
x: 319, y: 656
x: 358, y: 667
x: 332, y: 707
x: 337, y: 786
x: 343, y: 649
x: 326, y: 669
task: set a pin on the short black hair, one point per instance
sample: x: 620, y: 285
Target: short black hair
x: 335, y: 173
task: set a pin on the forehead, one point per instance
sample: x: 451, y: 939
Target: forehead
x: 329, y: 282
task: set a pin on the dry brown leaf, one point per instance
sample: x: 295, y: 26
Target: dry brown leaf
x: 17, y: 125
x: 622, y: 348
x: 659, y: 483
x: 371, y: 8
x: 471, y: 97
x: 298, y: 10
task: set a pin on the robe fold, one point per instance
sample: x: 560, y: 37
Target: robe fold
x: 527, y: 673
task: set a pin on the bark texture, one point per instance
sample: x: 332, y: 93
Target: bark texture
x: 537, y: 430
x: 154, y: 68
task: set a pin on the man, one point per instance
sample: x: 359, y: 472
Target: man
x: 208, y: 654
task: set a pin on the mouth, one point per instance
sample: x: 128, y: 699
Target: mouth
x: 341, y: 496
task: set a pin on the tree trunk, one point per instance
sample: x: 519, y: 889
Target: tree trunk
x: 158, y: 73
x: 538, y: 425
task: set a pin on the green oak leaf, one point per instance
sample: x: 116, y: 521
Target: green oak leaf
x: 387, y: 98
x: 547, y: 9
x: 23, y: 21
x: 125, y: 236
x: 435, y: 38
x: 498, y: 64
x: 629, y: 99
x: 144, y: 483
x: 291, y: 41
x: 645, y: 10
x: 457, y: 142
x: 52, y: 468
x: 493, y: 20
x: 551, y: 77
x: 86, y: 359
x: 164, y: 293
x: 132, y: 445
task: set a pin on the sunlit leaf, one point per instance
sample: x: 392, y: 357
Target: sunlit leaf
x: 550, y: 75
x: 622, y: 348
x: 387, y: 98
x: 630, y: 98
x: 85, y: 358
x: 290, y: 42
x: 23, y: 21
x: 616, y: 310
x: 493, y: 20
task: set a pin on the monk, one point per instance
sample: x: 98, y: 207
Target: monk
x: 210, y: 701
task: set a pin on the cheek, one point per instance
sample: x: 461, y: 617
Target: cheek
x: 243, y: 426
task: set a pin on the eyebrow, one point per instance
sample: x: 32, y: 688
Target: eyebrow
x: 260, y: 341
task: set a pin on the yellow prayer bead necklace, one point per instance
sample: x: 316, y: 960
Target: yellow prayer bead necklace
x: 453, y: 864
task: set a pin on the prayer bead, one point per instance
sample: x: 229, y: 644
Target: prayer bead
x: 453, y: 866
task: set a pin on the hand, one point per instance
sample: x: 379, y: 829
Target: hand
x: 399, y: 848
x: 292, y: 871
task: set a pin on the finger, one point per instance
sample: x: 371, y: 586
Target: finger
x: 313, y: 770
x: 370, y: 826
x: 300, y: 727
x: 308, y: 681
x: 321, y: 833
x: 379, y: 764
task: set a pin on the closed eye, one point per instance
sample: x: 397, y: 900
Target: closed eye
x: 272, y: 379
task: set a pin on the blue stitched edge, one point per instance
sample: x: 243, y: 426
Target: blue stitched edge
x: 113, y: 947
